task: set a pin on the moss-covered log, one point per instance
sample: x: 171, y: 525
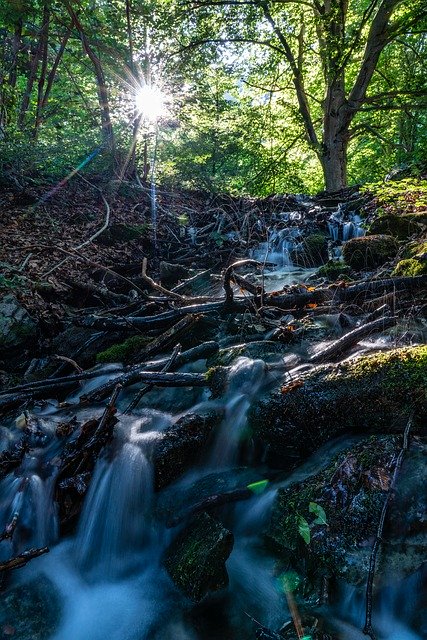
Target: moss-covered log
x: 371, y: 394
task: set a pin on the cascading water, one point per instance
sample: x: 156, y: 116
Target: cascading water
x: 109, y: 577
x: 344, y: 225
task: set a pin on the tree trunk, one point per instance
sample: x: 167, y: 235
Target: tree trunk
x: 336, y: 121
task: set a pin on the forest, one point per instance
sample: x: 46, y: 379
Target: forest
x: 213, y: 319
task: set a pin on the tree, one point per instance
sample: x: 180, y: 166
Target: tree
x: 331, y: 50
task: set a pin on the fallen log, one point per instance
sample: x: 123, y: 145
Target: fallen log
x: 147, y: 377
x: 211, y: 502
x: 351, y: 338
x: 20, y: 561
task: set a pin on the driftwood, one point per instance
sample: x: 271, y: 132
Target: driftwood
x: 228, y: 274
x: 20, y: 561
x: 164, y: 340
x: 352, y: 337
x: 9, y: 529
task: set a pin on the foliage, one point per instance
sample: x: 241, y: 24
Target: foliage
x: 234, y: 122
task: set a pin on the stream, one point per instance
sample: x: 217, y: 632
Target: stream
x: 108, y: 580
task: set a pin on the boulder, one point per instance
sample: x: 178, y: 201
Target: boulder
x: 17, y: 328
x: 181, y: 446
x: 369, y: 252
x: 370, y: 394
x: 400, y: 226
x: 196, y: 558
x: 170, y: 274
x: 349, y: 494
x: 30, y: 611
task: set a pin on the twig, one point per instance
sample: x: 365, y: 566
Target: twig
x: 22, y: 559
x: 368, y: 629
x: 73, y: 363
x: 158, y: 287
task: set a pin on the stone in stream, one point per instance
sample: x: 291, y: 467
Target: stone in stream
x: 351, y: 491
x: 17, y: 328
x: 369, y: 252
x: 181, y: 446
x: 196, y: 558
x: 31, y: 611
x: 370, y: 394
x: 312, y: 252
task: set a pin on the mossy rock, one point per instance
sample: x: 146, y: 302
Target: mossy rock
x: 17, y: 328
x: 368, y: 395
x: 416, y: 250
x: 196, y: 559
x: 31, y: 611
x: 334, y: 270
x: 400, y: 226
x: 410, y: 267
x: 369, y: 252
x: 351, y: 491
x: 123, y: 351
x: 313, y: 251
x: 122, y: 232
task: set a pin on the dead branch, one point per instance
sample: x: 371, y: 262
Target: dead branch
x: 22, y: 559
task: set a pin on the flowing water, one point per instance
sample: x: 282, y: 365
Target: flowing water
x: 109, y: 579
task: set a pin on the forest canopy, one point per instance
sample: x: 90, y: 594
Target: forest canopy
x: 244, y: 96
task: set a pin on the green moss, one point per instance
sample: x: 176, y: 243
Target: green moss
x: 415, y: 249
x: 123, y: 351
x: 333, y: 270
x: 314, y: 250
x: 410, y: 267
x: 400, y: 226
x: 370, y: 251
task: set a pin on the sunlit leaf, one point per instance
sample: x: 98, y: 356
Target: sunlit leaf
x: 258, y: 487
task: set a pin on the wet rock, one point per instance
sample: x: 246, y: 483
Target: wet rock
x: 31, y: 611
x: 196, y: 559
x: 370, y: 394
x: 369, y: 252
x: 351, y: 491
x: 181, y: 447
x: 177, y: 501
x: 266, y: 350
x: 17, y: 328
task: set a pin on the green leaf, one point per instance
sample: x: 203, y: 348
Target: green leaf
x: 319, y: 512
x: 304, y: 529
x: 258, y: 487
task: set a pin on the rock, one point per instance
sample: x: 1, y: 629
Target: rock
x: 266, y: 350
x: 17, y: 328
x: 196, y: 559
x: 30, y: 611
x: 313, y: 251
x: 369, y: 252
x: 370, y: 394
x: 181, y: 446
x: 400, y: 226
x: 351, y: 491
